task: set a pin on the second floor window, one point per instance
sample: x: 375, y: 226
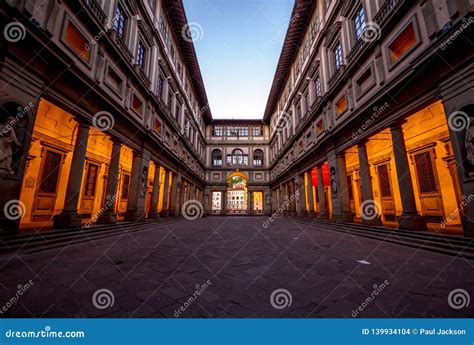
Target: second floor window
x: 359, y: 23
x: 338, y: 56
x: 119, y: 21
x: 217, y: 131
x: 317, y: 87
x: 258, y: 158
x: 159, y: 85
x: 257, y: 131
x: 141, y: 55
x: 216, y: 158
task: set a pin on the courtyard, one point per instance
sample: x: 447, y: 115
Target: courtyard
x: 236, y: 266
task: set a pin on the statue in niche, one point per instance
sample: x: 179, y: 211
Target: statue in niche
x: 332, y: 172
x: 469, y: 145
x: 8, y: 144
x: 144, y: 180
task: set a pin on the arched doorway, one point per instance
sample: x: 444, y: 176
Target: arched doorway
x: 237, y: 194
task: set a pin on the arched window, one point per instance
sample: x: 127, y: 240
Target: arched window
x: 216, y: 158
x: 237, y: 158
x: 258, y: 158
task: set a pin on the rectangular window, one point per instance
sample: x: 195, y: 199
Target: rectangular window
x: 317, y: 87
x: 257, y: 131
x: 137, y: 104
x: 402, y: 44
x: 141, y: 52
x: 125, y: 186
x: 359, y: 23
x: 341, y: 105
x: 77, y: 41
x: 338, y: 56
x: 91, y: 180
x: 217, y: 131
x: 50, y: 175
x: 119, y: 21
x: 159, y: 85
x: 425, y: 173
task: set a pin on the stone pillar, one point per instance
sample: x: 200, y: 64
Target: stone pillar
x: 166, y: 195
x: 341, y: 204
x: 156, y: 194
x: 410, y: 218
x: 224, y: 202
x: 300, y: 203
x: 69, y: 217
x: 175, y: 195
x: 309, y: 192
x: 459, y: 111
x: 322, y: 214
x: 108, y: 215
x: 367, y: 206
x: 267, y: 201
x: 138, y: 187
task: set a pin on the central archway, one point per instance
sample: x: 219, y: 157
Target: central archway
x: 237, y: 193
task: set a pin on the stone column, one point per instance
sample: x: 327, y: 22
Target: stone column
x: 300, y: 203
x: 309, y: 192
x: 410, y: 218
x: 322, y: 214
x: 108, y: 215
x: 175, y: 195
x: 69, y: 217
x: 224, y: 202
x: 367, y: 206
x: 166, y: 195
x: 156, y: 194
x: 138, y: 187
x: 341, y: 204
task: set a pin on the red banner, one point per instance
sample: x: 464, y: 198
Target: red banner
x: 326, y: 178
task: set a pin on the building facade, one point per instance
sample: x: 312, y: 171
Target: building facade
x: 105, y: 117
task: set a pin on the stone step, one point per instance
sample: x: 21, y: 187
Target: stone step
x: 424, y: 241
x: 40, y: 242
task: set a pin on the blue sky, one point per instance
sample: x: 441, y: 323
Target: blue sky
x: 238, y: 50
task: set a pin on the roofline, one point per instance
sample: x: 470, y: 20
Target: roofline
x: 237, y: 121
x: 177, y: 15
x: 300, y: 18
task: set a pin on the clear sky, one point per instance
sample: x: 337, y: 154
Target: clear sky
x: 238, y: 43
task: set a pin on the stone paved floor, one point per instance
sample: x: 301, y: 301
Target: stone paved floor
x: 154, y: 273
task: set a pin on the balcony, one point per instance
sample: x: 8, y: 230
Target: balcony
x: 387, y: 9
x: 96, y: 12
x: 120, y: 44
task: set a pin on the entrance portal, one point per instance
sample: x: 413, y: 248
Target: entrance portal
x: 237, y: 193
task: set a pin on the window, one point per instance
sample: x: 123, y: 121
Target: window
x: 237, y: 158
x: 217, y: 131
x: 317, y: 87
x: 402, y: 44
x: 359, y: 23
x: 341, y: 105
x: 119, y: 21
x: 159, y: 85
x: 425, y: 173
x: 50, y: 175
x: 338, y: 55
x: 125, y: 186
x: 258, y: 158
x: 77, y: 41
x: 137, y: 104
x: 91, y: 180
x: 141, y: 54
x: 384, y: 181
x: 157, y: 126
x: 257, y: 131
x: 216, y: 158
x: 233, y: 131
